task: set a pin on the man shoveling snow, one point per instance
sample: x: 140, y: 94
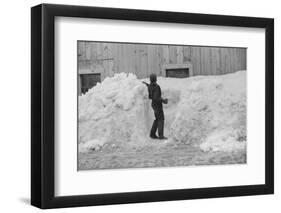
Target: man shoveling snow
x: 155, y: 95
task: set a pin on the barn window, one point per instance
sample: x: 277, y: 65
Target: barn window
x: 177, y: 73
x: 177, y: 70
x: 88, y: 81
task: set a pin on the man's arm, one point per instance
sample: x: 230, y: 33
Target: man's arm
x: 157, y: 96
x: 145, y: 83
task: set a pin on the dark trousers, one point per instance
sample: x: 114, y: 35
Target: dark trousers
x: 158, y: 123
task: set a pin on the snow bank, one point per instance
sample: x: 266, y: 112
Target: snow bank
x: 211, y: 111
x: 114, y: 112
x: 208, y: 111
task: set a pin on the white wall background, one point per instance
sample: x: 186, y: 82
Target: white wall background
x: 15, y: 105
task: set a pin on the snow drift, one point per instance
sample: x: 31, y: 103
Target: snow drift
x: 113, y: 112
x: 205, y: 111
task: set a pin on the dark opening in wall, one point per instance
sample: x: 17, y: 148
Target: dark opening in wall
x: 88, y: 81
x: 177, y: 73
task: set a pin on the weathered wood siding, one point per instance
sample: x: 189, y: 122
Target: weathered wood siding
x: 144, y: 59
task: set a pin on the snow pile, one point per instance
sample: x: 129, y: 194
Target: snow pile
x: 208, y: 111
x: 113, y: 112
x: 211, y: 111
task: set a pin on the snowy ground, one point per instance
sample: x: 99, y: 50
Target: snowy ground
x: 157, y: 156
x: 205, y: 122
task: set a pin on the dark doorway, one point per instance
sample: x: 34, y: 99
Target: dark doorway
x: 177, y: 73
x: 88, y: 81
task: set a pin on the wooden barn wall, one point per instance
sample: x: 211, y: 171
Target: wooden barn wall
x: 143, y: 59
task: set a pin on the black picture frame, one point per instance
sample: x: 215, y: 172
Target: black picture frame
x: 43, y: 105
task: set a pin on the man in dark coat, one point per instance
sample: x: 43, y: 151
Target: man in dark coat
x: 155, y: 95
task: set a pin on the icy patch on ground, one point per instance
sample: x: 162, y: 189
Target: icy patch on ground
x: 209, y: 111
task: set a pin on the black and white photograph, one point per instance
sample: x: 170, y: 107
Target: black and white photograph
x: 143, y: 105
x: 139, y: 106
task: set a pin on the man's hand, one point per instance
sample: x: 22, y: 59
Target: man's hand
x: 145, y: 83
x: 165, y: 101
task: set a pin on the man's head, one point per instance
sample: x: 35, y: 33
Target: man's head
x: 153, y: 78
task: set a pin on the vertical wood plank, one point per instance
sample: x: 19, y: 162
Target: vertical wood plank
x: 132, y: 58
x: 128, y: 58
x: 216, y: 64
x: 124, y: 59
x: 121, y: 58
x: 140, y: 58
x: 244, y: 59
x: 113, y: 54
x: 108, y: 54
x: 152, y: 59
x: 79, y: 56
x: 80, y: 50
x: 88, y: 50
x: 225, y: 61
x: 195, y: 60
x: 136, y: 59
x: 233, y: 60
x: 205, y: 61
x: 172, y: 54
x: 186, y: 54
x: 93, y: 50
x: 149, y: 59
x: 160, y: 60
x: 165, y: 49
x: 143, y: 52
x: 239, y: 59
x: 105, y: 62
x: 83, y: 50
x: 179, y: 54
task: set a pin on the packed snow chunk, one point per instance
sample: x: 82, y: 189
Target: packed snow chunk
x: 116, y: 110
x: 228, y: 140
x: 91, y: 145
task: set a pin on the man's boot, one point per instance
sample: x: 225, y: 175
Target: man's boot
x: 161, y: 130
x: 153, y: 130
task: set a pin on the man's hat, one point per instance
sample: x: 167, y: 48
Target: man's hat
x: 153, y: 78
